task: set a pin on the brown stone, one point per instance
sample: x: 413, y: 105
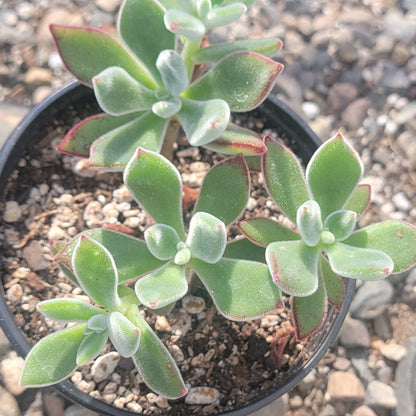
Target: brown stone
x: 345, y: 387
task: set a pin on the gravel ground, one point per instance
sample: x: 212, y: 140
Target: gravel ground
x: 350, y: 66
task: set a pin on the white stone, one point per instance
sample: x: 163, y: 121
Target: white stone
x: 393, y: 351
x: 379, y: 394
x: 104, y: 366
x: 12, y: 211
x: 202, y: 395
x: 10, y: 368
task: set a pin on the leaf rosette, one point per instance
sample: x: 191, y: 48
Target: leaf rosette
x: 143, y: 84
x: 324, y: 204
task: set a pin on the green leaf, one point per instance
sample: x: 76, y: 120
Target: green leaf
x: 212, y: 54
x: 97, y: 323
x: 241, y: 290
x: 360, y: 199
x: 359, y: 263
x: 173, y: 71
x: 293, y: 266
x: 203, y: 121
x: 182, y: 23
x: 161, y: 241
x: 220, y: 16
x: 207, y: 237
x: 309, y: 222
x: 167, y: 108
x: 87, y: 51
x: 333, y: 174
x: 334, y: 285
x: 284, y: 178
x: 162, y: 287
x: 118, y: 93
x: 242, y: 79
x: 67, y: 309
x: 157, y: 186
x: 141, y: 26
x: 395, y: 238
x: 155, y: 364
x: 309, y: 312
x: 113, y: 150
x: 341, y: 223
x: 263, y: 231
x: 96, y: 272
x: 53, y: 358
x: 123, y: 334
x: 78, y: 140
x: 245, y: 250
x: 235, y: 140
x: 227, y: 201
x: 124, y: 249
x: 91, y: 346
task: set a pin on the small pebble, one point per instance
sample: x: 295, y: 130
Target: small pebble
x: 12, y: 211
x: 104, y: 366
x: 202, y: 396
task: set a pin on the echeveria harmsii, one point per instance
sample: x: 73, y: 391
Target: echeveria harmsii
x: 144, y: 85
x: 324, y: 203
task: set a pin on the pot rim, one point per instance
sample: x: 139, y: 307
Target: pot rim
x: 288, y: 121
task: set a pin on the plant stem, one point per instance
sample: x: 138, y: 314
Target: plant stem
x: 170, y: 138
x: 189, y: 48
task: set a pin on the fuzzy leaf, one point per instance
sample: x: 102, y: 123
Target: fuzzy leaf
x: 182, y: 23
x: 118, y: 93
x: 309, y: 222
x: 334, y: 285
x: 244, y: 249
x: 157, y: 186
x: 80, y: 138
x: 173, y: 71
x: 284, y: 178
x: 155, y: 364
x: 123, y: 334
x: 207, y: 237
x: 333, y: 174
x: 113, y: 150
x: 167, y: 108
x: 67, y: 309
x: 220, y: 16
x: 211, y: 54
x: 161, y: 241
x: 341, y: 223
x: 203, y: 121
x: 53, y: 358
x: 395, y: 238
x: 263, y: 231
x: 91, y: 346
x: 241, y: 290
x: 124, y: 249
x: 293, y: 266
x: 236, y: 139
x: 96, y: 272
x: 359, y: 263
x: 87, y: 51
x: 359, y: 200
x: 97, y: 323
x: 139, y: 22
x: 227, y: 201
x: 309, y: 312
x: 242, y: 79
x: 162, y: 287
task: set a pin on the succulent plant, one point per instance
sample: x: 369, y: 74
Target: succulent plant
x: 149, y: 83
x: 102, y: 261
x: 146, y: 84
x: 323, y: 204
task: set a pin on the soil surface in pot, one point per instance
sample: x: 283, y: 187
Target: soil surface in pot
x: 55, y: 199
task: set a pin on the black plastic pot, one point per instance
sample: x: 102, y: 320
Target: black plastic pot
x: 280, y: 117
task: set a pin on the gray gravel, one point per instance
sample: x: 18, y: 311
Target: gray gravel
x: 350, y: 66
